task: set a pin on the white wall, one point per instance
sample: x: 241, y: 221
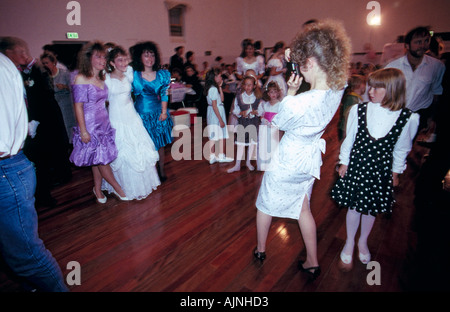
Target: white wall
x: 213, y: 25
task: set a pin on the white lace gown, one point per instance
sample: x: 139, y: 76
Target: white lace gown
x: 134, y: 168
x: 296, y: 164
x: 279, y: 79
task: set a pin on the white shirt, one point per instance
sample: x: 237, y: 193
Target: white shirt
x: 13, y: 111
x: 379, y: 121
x: 423, y: 83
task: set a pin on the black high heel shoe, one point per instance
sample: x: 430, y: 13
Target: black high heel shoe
x: 261, y: 256
x: 312, y: 274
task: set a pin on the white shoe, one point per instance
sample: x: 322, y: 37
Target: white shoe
x: 364, y: 258
x: 346, y: 259
x: 100, y: 200
x: 122, y: 198
x: 346, y: 262
x: 212, y: 159
x: 223, y: 159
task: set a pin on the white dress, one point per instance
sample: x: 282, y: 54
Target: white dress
x: 258, y: 65
x: 279, y: 79
x: 268, y: 135
x: 296, y: 164
x: 214, y: 131
x: 134, y: 167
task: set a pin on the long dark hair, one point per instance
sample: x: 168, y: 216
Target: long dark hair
x: 245, y: 43
x: 84, y: 59
x: 136, y: 52
x: 210, y: 79
x: 112, y: 54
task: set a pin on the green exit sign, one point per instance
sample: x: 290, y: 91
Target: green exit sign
x: 72, y: 35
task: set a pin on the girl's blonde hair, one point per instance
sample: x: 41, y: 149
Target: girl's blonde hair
x: 271, y: 85
x: 354, y: 82
x: 328, y: 43
x: 393, y: 80
x: 256, y: 90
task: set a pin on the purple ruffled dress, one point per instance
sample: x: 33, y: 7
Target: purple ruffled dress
x: 101, y: 150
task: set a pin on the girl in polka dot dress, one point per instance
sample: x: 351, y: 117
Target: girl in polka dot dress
x: 379, y: 137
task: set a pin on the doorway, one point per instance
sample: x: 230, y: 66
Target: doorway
x: 67, y: 52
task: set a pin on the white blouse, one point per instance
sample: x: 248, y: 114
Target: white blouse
x: 380, y: 120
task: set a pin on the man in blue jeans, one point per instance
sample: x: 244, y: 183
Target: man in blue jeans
x: 20, y: 246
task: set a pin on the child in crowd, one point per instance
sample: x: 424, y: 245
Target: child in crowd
x: 379, y: 137
x: 352, y: 95
x: 215, y: 118
x: 246, y: 110
x: 268, y: 136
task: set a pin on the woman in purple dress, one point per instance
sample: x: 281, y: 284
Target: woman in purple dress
x: 93, y: 140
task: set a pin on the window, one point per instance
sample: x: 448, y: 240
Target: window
x: 176, y: 20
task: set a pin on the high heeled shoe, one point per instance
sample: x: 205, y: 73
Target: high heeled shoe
x: 261, y: 256
x: 122, y: 198
x: 99, y: 200
x: 311, y: 274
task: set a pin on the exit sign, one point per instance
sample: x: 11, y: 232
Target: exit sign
x: 72, y: 35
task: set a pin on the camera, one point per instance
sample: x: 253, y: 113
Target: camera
x: 294, y: 68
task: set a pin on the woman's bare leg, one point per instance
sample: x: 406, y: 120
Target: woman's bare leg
x: 107, y: 174
x: 308, y: 230
x: 263, y: 222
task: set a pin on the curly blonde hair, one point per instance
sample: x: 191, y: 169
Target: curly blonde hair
x: 327, y: 42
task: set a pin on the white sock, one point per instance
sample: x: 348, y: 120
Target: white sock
x: 352, y: 223
x: 367, y: 222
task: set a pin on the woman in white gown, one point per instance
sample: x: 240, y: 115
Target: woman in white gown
x: 134, y: 168
x: 277, y: 68
x: 248, y: 60
x: 322, y: 52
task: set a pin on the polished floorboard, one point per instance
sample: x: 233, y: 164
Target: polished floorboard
x: 196, y: 233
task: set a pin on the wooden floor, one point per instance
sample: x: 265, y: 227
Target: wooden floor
x: 196, y: 233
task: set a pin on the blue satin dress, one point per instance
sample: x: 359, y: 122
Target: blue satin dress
x: 149, y: 95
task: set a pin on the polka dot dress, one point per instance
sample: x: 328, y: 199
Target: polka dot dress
x: 367, y: 186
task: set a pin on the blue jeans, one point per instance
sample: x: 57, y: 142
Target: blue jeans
x: 20, y: 245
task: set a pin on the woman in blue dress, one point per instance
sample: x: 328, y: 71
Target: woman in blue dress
x: 150, y: 88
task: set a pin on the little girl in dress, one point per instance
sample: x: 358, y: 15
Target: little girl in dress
x: 215, y: 116
x: 379, y: 137
x: 246, y: 110
x: 268, y: 136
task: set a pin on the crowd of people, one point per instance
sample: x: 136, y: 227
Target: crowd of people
x: 113, y: 114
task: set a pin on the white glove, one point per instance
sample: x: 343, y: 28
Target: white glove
x: 32, y: 126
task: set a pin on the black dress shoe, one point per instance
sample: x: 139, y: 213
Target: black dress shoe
x: 261, y: 256
x: 313, y: 272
